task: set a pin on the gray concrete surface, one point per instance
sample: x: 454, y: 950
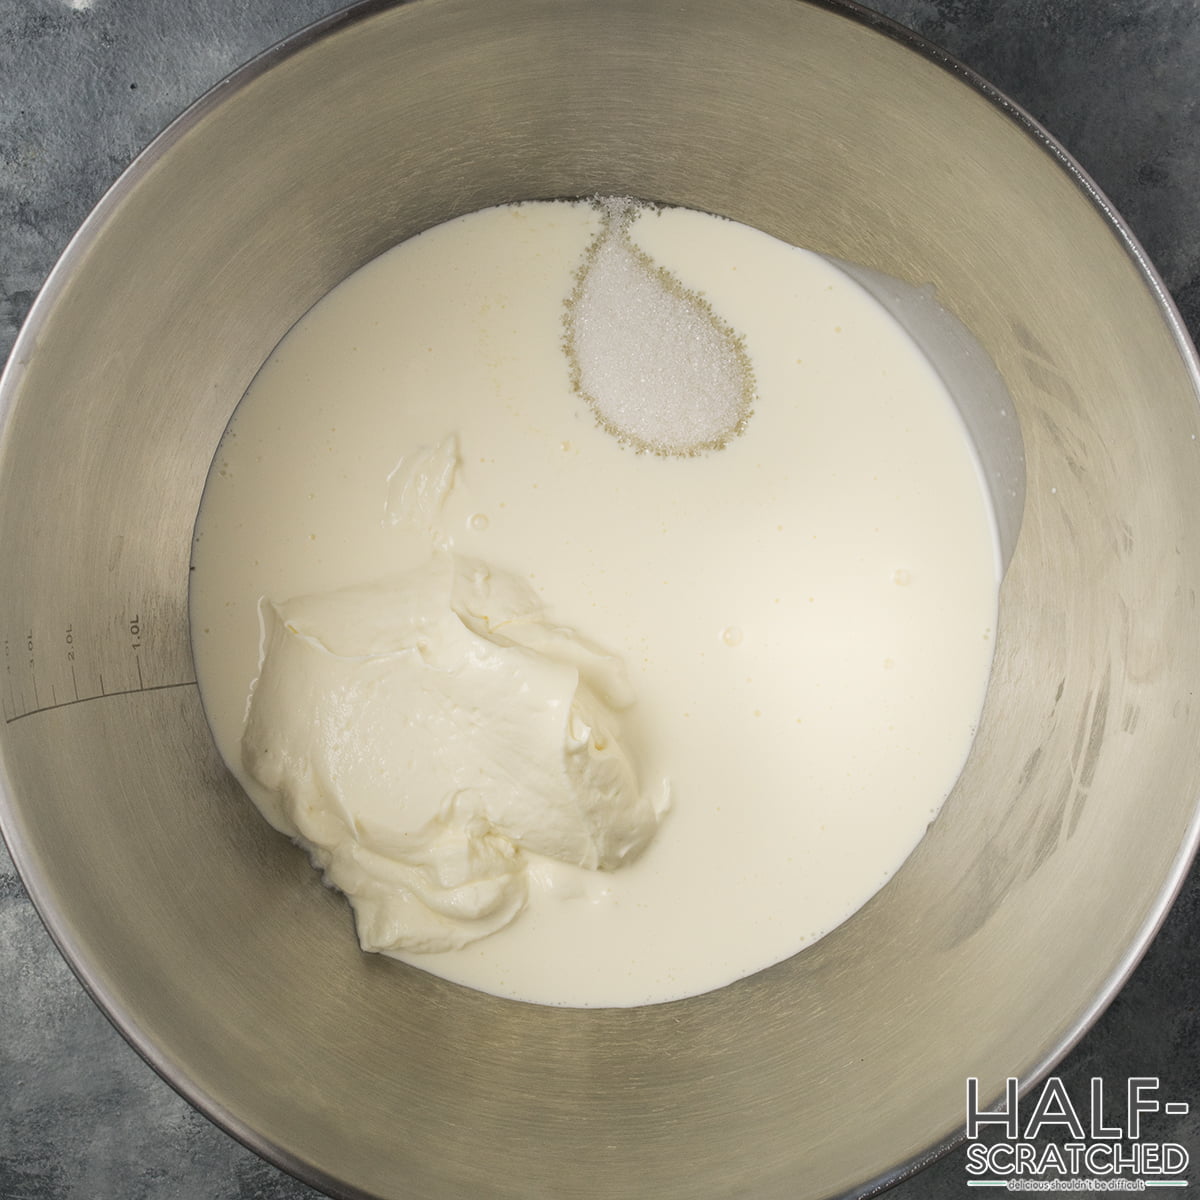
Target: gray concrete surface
x: 85, y: 84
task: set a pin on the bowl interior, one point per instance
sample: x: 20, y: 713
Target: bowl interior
x: 210, y: 940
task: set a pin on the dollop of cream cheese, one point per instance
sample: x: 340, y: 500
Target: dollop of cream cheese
x: 428, y: 737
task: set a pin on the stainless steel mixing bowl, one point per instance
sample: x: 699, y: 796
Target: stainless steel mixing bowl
x: 210, y: 941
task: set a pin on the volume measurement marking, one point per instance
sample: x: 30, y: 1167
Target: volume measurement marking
x: 60, y: 665
x: 100, y: 695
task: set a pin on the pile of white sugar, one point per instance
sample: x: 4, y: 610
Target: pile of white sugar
x: 659, y: 368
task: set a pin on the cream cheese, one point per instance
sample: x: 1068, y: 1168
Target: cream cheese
x: 424, y: 734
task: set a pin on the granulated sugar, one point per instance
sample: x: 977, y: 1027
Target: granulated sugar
x: 660, y: 370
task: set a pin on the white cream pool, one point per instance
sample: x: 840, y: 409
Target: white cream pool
x: 805, y: 615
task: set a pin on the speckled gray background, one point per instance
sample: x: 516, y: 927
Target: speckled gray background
x: 85, y: 84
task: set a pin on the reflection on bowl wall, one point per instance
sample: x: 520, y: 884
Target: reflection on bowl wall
x: 209, y: 939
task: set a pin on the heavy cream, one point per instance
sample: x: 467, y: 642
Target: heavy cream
x: 791, y: 633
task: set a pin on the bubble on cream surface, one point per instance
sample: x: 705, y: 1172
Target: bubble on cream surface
x: 428, y: 529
